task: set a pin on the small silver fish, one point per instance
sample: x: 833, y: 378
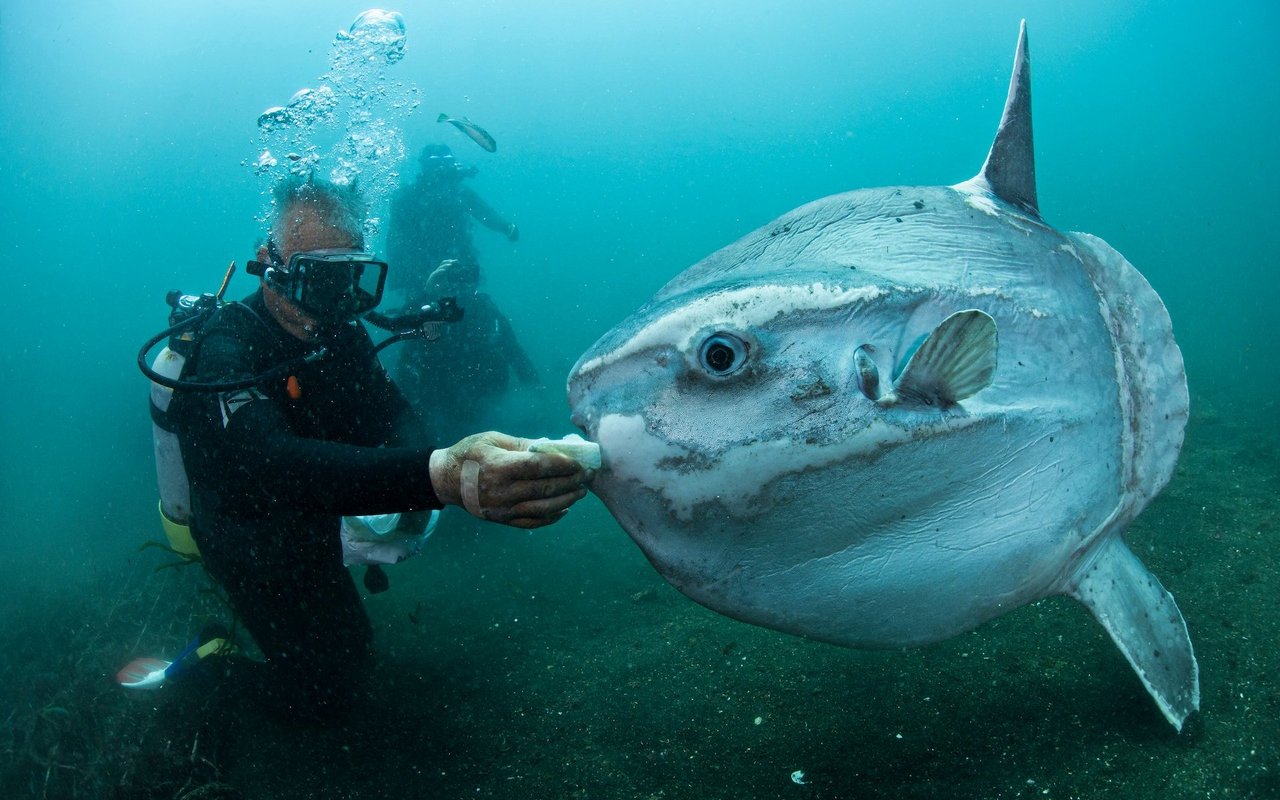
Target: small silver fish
x: 477, y: 134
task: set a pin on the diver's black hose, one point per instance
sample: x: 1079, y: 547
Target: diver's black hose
x: 396, y: 337
x: 155, y: 340
x: 218, y: 386
x: 386, y: 322
x: 412, y: 324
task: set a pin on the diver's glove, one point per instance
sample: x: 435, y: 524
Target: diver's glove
x: 495, y: 477
x: 513, y: 233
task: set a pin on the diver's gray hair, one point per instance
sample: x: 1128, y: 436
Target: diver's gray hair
x: 341, y: 207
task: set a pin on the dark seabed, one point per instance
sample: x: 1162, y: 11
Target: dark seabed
x: 558, y: 665
x: 634, y: 139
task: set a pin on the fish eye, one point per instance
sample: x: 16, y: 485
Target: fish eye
x: 722, y: 354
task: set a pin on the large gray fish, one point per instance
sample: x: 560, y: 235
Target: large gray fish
x: 810, y: 429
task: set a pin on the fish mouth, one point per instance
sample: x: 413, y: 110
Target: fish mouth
x: 582, y: 414
x: 586, y: 418
x: 585, y: 421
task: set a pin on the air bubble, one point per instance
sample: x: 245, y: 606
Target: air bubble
x: 276, y: 115
x: 347, y: 125
x: 380, y: 33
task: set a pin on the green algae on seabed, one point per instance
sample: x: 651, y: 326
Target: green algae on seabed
x: 559, y: 665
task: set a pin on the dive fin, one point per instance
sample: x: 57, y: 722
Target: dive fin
x: 143, y: 673
x: 1010, y: 169
x: 956, y: 361
x: 1144, y: 622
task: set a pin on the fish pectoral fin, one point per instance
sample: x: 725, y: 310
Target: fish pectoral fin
x: 957, y: 360
x: 1144, y: 622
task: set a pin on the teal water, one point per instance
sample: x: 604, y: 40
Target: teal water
x: 634, y: 138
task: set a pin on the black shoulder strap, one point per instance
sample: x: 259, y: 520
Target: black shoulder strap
x: 171, y: 419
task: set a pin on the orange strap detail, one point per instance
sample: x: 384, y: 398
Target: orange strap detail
x: 293, y: 388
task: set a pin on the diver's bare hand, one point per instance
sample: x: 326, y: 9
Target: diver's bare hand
x: 439, y: 279
x: 494, y: 477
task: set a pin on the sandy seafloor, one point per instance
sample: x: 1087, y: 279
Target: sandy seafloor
x: 559, y: 665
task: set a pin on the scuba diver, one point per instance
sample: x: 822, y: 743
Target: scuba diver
x: 430, y: 222
x: 286, y: 422
x: 453, y: 380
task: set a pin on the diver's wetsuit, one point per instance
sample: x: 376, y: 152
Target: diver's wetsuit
x: 271, y: 475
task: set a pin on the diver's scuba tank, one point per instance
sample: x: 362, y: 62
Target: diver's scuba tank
x: 171, y: 472
x: 186, y: 317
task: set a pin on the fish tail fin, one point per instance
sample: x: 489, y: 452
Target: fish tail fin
x: 1144, y: 622
x: 442, y: 118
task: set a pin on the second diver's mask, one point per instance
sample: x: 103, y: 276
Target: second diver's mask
x: 333, y: 286
x: 443, y: 167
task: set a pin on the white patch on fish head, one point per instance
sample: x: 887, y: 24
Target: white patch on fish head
x: 663, y: 363
x: 688, y: 483
x: 740, y: 307
x: 681, y: 439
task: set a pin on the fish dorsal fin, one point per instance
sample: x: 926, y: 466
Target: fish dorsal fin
x: 1010, y: 170
x: 956, y: 361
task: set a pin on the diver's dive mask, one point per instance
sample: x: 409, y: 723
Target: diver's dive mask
x: 445, y: 167
x: 333, y: 286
